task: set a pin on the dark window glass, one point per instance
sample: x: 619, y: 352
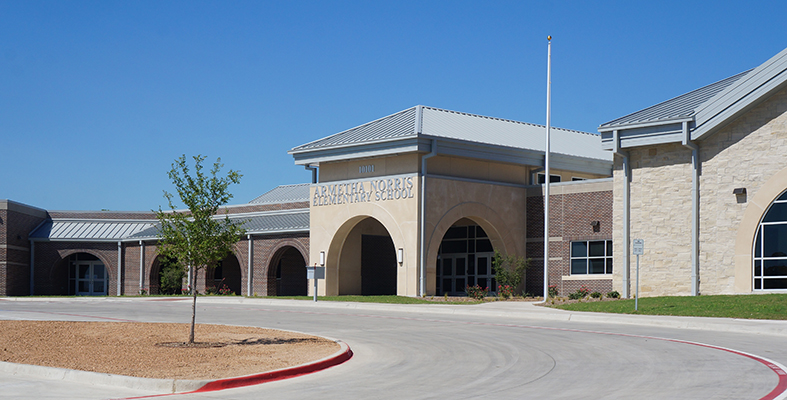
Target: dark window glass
x: 460, y: 285
x: 609, y: 248
x: 493, y: 285
x: 471, y: 246
x: 448, y: 267
x: 447, y: 286
x: 579, y: 249
x: 471, y: 232
x: 482, y: 267
x: 783, y: 196
x: 758, y: 284
x: 609, y: 265
x: 775, y: 267
x: 758, y: 244
x: 777, y: 213
x: 775, y: 240
x: 579, y: 266
x: 470, y: 281
x: 597, y: 266
x: 480, y: 232
x: 483, y: 246
x: 471, y: 265
x: 757, y: 268
x: 456, y: 232
x: 454, y: 246
x: 460, y: 266
x: 775, y: 283
x: 596, y: 249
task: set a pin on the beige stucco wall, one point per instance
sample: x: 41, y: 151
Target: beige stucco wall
x: 499, y: 209
x: 383, y: 166
x: 750, y: 153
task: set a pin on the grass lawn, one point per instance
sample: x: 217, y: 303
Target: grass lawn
x: 760, y: 306
x: 380, y: 299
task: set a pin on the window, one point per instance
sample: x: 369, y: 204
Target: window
x: 552, y: 178
x: 575, y: 178
x: 770, y: 248
x: 591, y: 257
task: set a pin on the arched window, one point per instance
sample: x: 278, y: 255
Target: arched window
x: 770, y: 248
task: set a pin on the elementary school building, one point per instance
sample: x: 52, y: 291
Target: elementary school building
x: 417, y: 202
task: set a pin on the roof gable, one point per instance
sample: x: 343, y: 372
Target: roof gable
x: 705, y: 110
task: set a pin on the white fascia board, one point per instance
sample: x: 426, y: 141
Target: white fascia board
x: 366, y: 150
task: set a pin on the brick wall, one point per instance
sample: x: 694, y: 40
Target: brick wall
x: 16, y: 222
x: 572, y: 208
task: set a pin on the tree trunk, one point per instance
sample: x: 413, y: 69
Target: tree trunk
x: 193, y: 279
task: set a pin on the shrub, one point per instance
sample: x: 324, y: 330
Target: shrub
x: 613, y: 294
x: 509, y: 270
x: 595, y: 295
x: 476, y: 292
x: 505, y: 291
x: 584, y: 291
x: 171, y: 277
x: 226, y: 291
x: 575, y: 296
x: 552, y: 291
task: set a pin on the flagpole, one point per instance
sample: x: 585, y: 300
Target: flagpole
x: 547, y: 177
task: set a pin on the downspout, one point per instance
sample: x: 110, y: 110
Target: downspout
x: 695, y: 208
x: 432, y: 153
x: 314, y: 172
x: 249, y: 285
x: 626, y: 213
x: 120, y: 264
x: 141, y: 266
x: 32, y: 266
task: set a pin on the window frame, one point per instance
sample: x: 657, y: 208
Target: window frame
x: 607, y: 257
x: 758, y: 261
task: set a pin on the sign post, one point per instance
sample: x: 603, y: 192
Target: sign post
x: 639, y: 249
x: 315, y: 273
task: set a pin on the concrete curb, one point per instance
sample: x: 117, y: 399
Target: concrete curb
x: 168, y: 386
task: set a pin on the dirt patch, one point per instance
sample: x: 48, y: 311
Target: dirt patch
x: 152, y: 350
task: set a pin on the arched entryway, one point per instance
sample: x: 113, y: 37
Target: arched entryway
x: 367, y: 261
x: 224, y: 276
x: 166, y: 277
x: 288, y: 270
x: 82, y: 274
x: 464, y: 259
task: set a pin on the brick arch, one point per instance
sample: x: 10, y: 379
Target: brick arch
x: 747, y: 230
x: 109, y: 268
x: 275, y: 255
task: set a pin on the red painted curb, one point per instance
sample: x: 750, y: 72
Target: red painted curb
x: 277, y: 375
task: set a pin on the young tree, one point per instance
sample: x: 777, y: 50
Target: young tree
x: 198, y: 238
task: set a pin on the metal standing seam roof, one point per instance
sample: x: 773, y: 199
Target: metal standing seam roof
x: 284, y: 194
x: 296, y: 220
x: 88, y: 230
x: 680, y: 107
x: 440, y: 123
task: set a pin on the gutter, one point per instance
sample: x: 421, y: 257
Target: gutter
x: 695, y: 176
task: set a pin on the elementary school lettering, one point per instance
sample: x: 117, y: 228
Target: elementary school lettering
x: 364, y: 191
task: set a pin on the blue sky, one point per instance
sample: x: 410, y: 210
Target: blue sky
x: 97, y: 98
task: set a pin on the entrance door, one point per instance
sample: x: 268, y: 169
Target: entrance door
x: 91, y: 278
x: 484, y: 273
x: 453, y: 274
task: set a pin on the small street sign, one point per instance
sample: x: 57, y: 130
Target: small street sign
x: 639, y: 247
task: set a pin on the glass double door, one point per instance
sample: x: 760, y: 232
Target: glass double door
x: 455, y: 272
x: 91, y: 278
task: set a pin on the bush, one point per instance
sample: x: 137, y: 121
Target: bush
x: 509, y: 270
x: 584, y: 291
x: 171, y: 277
x: 595, y: 295
x: 476, y: 292
x: 575, y: 296
x: 505, y: 291
x: 613, y: 295
x: 552, y: 291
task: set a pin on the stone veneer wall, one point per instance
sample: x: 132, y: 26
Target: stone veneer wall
x: 745, y: 153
